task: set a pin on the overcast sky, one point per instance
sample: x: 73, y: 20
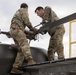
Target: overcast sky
x: 61, y: 7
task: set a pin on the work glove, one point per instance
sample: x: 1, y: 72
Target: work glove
x: 35, y: 30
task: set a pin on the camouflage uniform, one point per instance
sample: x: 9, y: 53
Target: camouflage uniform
x: 21, y: 20
x: 56, y: 33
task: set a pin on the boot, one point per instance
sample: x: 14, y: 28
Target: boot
x: 16, y: 71
x: 61, y: 56
x: 50, y: 55
x: 31, y: 61
x: 50, y: 58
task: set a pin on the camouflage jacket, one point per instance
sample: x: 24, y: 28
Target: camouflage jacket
x: 21, y: 18
x: 50, y: 15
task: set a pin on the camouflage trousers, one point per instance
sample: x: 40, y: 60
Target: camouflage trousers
x: 22, y: 45
x: 56, y: 45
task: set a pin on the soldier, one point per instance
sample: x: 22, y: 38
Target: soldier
x: 56, y: 33
x: 19, y: 21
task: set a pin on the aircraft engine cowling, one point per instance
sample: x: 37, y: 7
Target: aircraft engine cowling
x: 8, y: 54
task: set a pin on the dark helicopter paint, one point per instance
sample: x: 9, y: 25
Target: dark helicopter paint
x: 8, y: 54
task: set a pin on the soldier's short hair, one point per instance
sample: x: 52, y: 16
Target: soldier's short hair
x: 23, y: 5
x: 38, y: 8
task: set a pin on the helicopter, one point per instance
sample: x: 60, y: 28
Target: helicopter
x: 8, y: 54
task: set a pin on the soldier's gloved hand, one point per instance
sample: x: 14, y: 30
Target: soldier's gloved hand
x: 35, y: 29
x: 31, y: 32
